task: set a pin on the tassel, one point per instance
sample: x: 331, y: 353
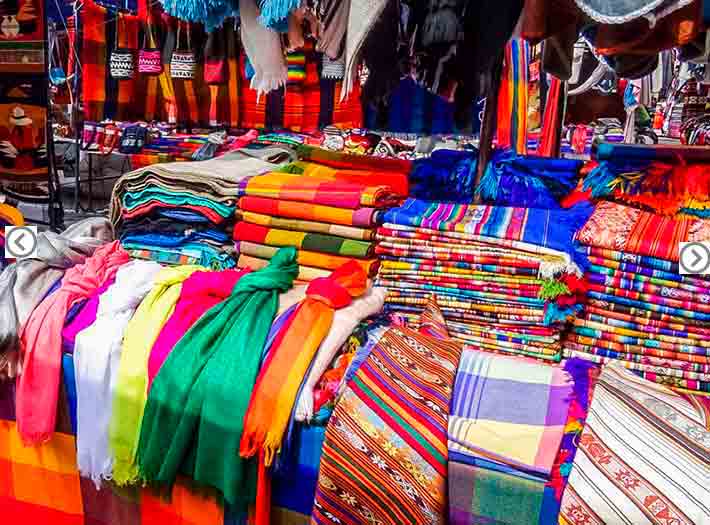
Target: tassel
x: 275, y: 12
x: 552, y: 289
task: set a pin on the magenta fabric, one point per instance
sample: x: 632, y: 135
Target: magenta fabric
x: 200, y: 292
x: 84, y: 317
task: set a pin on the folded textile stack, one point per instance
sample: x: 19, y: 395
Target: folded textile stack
x: 666, y: 179
x: 327, y: 205
x: 640, y: 311
x: 506, y: 278
x: 182, y: 213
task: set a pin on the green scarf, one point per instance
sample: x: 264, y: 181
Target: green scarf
x: 193, y: 420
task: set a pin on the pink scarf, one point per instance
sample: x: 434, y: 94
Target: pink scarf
x: 41, y: 337
x: 200, y: 292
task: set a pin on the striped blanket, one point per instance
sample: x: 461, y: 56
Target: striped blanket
x: 305, y: 257
x: 507, y: 421
x: 385, y: 453
x: 300, y: 225
x: 361, y: 217
x: 642, y: 458
x: 317, y: 242
x: 544, y: 232
x: 300, y: 188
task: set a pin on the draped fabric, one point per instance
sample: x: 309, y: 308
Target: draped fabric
x: 97, y: 356
x: 281, y: 375
x: 24, y: 284
x: 194, y: 414
x: 38, y: 386
x: 132, y: 382
x: 385, y: 453
x: 200, y: 292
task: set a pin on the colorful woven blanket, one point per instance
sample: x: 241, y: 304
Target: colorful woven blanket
x: 549, y: 232
x: 317, y: 191
x: 642, y: 456
x: 362, y: 217
x: 300, y: 225
x: 621, y: 228
x: 507, y: 420
x: 317, y: 242
x: 390, y: 427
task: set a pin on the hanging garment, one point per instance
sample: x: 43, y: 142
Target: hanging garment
x: 194, y: 415
x: 344, y: 322
x: 200, y: 292
x: 132, y: 382
x: 263, y: 47
x: 97, y: 355
x: 38, y: 386
x: 81, y: 316
x: 385, y: 453
x: 24, y: 284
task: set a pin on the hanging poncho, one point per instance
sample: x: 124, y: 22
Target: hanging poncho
x: 97, y: 354
x: 132, y: 383
x: 38, y: 386
x: 196, y: 406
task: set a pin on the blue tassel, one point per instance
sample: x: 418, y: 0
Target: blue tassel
x: 274, y: 12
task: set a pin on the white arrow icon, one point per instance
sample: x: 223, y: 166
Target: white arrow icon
x: 694, y: 258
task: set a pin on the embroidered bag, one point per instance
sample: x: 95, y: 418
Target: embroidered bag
x: 183, y: 62
x: 121, y: 64
x: 150, y: 59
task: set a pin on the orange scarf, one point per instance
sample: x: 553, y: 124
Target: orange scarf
x: 288, y: 360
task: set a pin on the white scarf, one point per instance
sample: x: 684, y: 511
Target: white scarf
x: 344, y: 322
x: 263, y: 47
x: 96, y: 358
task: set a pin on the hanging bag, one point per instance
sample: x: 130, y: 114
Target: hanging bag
x: 182, y: 63
x: 214, y: 60
x: 150, y: 59
x: 121, y: 64
x: 57, y: 75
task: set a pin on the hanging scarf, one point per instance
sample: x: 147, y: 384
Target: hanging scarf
x: 280, y: 377
x: 288, y: 361
x: 263, y: 47
x: 196, y: 406
x: 275, y: 12
x: 333, y: 21
x: 41, y: 338
x: 200, y: 292
x: 131, y: 386
x: 97, y: 354
x: 513, y: 97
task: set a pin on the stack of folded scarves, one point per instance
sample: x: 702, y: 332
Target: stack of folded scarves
x: 506, y: 279
x: 640, y: 311
x: 327, y: 205
x: 182, y: 213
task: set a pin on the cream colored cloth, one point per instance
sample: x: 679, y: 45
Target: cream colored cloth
x: 97, y: 355
x: 264, y: 49
x: 345, y: 321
